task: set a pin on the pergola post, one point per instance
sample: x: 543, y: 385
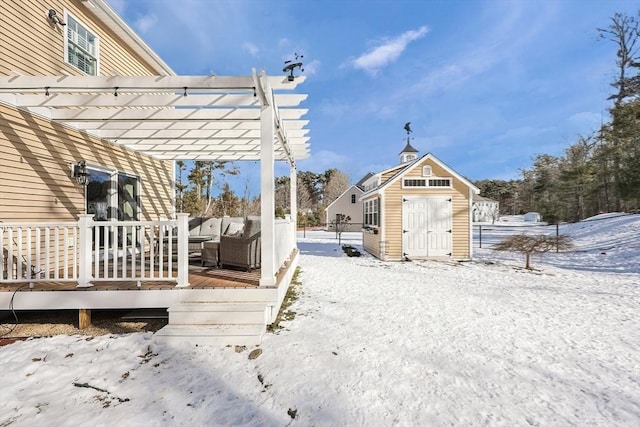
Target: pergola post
x: 183, y: 250
x: 293, y: 189
x: 267, y: 199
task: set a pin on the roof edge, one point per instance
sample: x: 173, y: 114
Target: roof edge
x: 114, y: 21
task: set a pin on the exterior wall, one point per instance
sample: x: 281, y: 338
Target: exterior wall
x: 35, y: 166
x: 371, y: 244
x: 485, y: 211
x: 343, y: 205
x: 29, y: 45
x: 36, y: 154
x: 392, y: 211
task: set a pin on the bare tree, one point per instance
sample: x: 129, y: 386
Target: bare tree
x: 529, y: 245
x: 341, y: 224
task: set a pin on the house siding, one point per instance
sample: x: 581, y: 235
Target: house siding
x: 35, y: 153
x: 29, y: 45
x: 35, y: 167
x: 392, y: 211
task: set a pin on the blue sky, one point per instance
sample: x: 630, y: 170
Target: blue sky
x: 486, y: 85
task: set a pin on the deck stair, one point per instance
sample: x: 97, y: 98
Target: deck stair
x: 217, y: 323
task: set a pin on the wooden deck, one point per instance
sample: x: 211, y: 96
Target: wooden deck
x: 199, y: 278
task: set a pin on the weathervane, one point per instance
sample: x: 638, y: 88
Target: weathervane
x: 291, y: 65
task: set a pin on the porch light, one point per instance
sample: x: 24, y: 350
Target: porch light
x: 79, y: 172
x: 54, y: 18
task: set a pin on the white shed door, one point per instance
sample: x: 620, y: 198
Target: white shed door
x: 426, y: 226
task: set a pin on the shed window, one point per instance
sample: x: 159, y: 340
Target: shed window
x: 426, y: 183
x: 371, y: 213
x: 81, y: 47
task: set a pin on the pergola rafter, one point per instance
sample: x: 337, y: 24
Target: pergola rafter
x: 171, y: 117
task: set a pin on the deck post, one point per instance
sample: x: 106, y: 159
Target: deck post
x: 84, y: 318
x: 85, y: 227
x: 183, y: 249
x: 267, y: 202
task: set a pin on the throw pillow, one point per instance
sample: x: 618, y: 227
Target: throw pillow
x: 235, y: 229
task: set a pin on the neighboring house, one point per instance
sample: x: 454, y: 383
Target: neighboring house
x: 485, y: 209
x: 418, y: 209
x: 84, y: 99
x: 349, y: 205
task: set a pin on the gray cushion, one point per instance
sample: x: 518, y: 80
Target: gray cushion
x: 251, y: 227
x: 194, y: 226
x: 211, y: 227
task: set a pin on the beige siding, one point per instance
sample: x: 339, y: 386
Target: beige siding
x: 35, y: 159
x: 371, y: 244
x: 35, y: 154
x: 344, y: 206
x: 29, y: 45
x: 392, y: 211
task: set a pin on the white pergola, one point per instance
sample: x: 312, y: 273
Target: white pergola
x: 172, y: 117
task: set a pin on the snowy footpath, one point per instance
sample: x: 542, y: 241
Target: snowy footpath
x: 479, y: 343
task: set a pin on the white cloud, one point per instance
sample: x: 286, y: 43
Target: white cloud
x: 144, y: 23
x: 387, y: 52
x: 251, y: 49
x: 311, y: 68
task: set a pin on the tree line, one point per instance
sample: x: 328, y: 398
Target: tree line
x: 599, y: 172
x: 203, y: 191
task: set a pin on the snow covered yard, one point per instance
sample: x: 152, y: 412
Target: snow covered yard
x: 380, y: 344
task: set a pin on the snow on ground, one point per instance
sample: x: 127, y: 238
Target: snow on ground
x: 378, y: 344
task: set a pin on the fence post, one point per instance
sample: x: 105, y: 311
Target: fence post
x: 480, y: 237
x: 183, y: 249
x: 557, y: 235
x: 85, y: 227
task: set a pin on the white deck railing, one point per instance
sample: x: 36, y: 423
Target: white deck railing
x: 285, y: 241
x: 89, y: 251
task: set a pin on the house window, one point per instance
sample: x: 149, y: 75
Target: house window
x: 353, y: 198
x: 371, y: 213
x: 81, y: 47
x: 426, y: 183
x: 426, y: 171
x: 112, y: 195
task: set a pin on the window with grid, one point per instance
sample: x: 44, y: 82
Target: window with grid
x: 426, y: 183
x: 81, y: 49
x: 353, y: 198
x: 371, y: 213
x: 440, y: 182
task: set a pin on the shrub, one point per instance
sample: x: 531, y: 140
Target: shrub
x: 533, y: 244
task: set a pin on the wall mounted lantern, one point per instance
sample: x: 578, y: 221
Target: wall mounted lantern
x: 79, y: 172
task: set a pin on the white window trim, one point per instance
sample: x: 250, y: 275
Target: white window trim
x: 427, y: 171
x: 368, y: 210
x: 68, y: 14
